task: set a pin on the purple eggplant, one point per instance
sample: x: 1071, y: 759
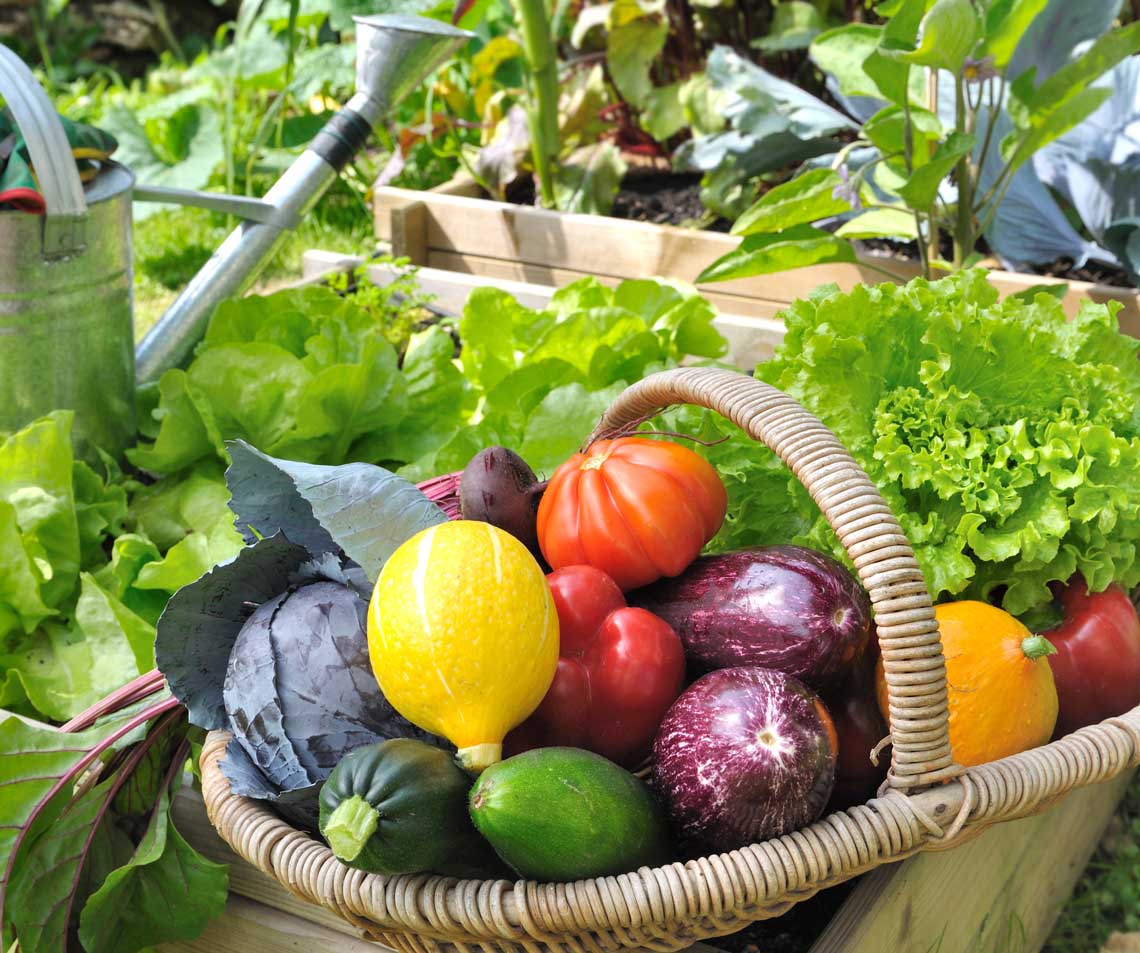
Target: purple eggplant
x: 744, y: 754
x: 781, y: 607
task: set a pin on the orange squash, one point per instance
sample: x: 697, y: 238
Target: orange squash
x: 1000, y: 686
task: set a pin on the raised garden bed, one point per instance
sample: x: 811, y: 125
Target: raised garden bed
x: 463, y: 233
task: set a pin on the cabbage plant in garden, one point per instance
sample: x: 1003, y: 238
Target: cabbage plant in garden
x: 955, y: 106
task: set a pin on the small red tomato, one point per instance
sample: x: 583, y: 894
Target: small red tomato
x: 637, y: 509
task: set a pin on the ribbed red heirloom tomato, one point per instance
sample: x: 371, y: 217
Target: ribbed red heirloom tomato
x: 634, y: 508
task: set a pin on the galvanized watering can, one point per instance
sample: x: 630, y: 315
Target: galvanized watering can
x: 66, y: 328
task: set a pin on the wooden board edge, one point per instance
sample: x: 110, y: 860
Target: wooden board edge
x: 463, y: 225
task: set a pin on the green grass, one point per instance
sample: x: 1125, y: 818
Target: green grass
x: 1107, y: 897
x: 172, y: 245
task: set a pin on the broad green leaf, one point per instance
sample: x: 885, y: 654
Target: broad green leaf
x: 590, y: 184
x: 437, y: 394
x: 180, y: 151
x: 36, y: 474
x: 842, y: 53
x: 1030, y: 104
x: 894, y: 78
x: 795, y: 247
x: 1022, y: 143
x: 1006, y: 23
x: 189, y: 558
x: 632, y: 46
x: 343, y: 402
x: 950, y: 31
x: 21, y: 608
x: 802, y: 200
x: 129, y: 554
x: 253, y: 389
x: 33, y: 761
x: 664, y: 116
x: 109, y: 624
x: 886, y: 130
x: 66, y: 668
x: 167, y: 892
x: 703, y: 105
x: 920, y: 189
x: 187, y: 431
x: 548, y: 439
x: 880, y: 223
x: 44, y: 890
x: 795, y: 23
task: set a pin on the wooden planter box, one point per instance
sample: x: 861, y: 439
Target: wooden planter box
x: 462, y: 233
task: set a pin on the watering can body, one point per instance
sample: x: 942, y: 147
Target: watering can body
x: 66, y: 336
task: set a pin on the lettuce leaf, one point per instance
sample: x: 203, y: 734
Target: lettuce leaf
x: 1005, y: 437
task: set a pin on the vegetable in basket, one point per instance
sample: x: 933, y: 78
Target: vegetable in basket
x: 463, y: 635
x: 781, y: 607
x: 567, y: 814
x: 637, y: 509
x: 860, y: 728
x: 744, y: 754
x: 1097, y: 662
x: 400, y: 807
x: 498, y: 487
x: 999, y: 685
x: 620, y: 669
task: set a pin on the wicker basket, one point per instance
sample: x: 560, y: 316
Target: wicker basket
x: 929, y: 802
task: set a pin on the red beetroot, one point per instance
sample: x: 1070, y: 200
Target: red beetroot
x: 744, y: 754
x: 780, y: 607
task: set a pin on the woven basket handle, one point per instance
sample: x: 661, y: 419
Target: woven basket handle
x: 869, y: 532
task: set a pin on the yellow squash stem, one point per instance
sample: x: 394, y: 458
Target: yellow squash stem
x: 478, y: 757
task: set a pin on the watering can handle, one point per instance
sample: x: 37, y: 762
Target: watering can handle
x: 65, y: 218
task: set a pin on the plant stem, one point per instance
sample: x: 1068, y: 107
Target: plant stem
x: 163, y: 24
x: 964, y: 236
x: 543, y: 113
x: 992, y: 105
x: 923, y: 254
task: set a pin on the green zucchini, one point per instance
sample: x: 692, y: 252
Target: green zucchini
x: 400, y: 807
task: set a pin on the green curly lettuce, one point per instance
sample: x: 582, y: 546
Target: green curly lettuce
x: 1004, y: 436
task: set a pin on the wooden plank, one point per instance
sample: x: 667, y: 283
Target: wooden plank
x: 249, y: 927
x: 998, y: 893
x: 593, y: 245
x: 409, y: 226
x: 615, y: 249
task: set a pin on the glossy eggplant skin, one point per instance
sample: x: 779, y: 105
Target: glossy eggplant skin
x: 785, y: 608
x: 743, y: 755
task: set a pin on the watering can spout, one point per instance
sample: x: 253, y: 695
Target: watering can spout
x: 394, y: 55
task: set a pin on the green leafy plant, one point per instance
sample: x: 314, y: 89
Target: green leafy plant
x: 902, y: 192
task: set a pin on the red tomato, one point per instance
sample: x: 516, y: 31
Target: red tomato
x: 620, y: 670
x: 637, y: 509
